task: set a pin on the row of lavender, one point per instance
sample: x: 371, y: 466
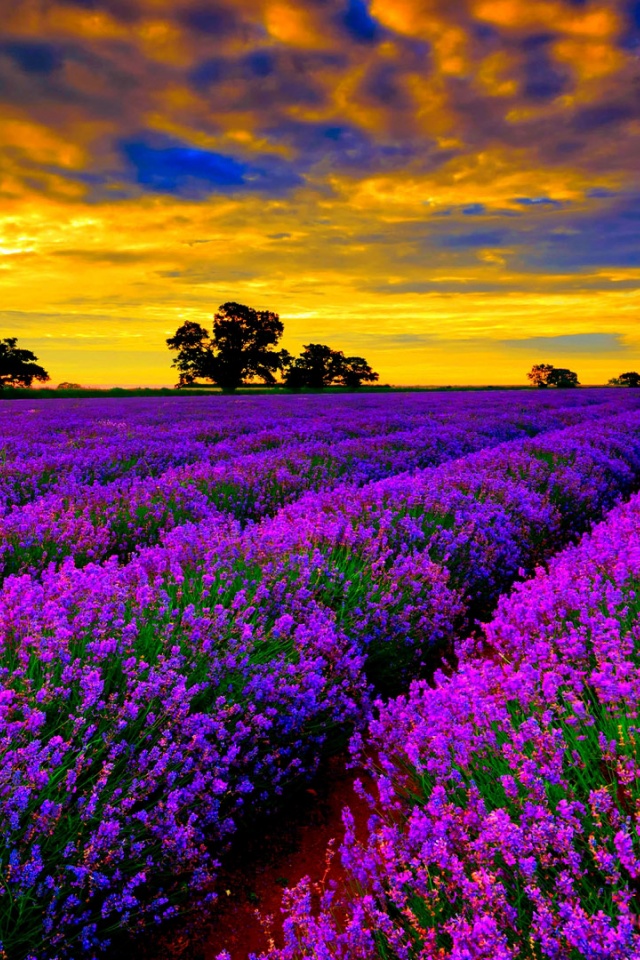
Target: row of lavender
x: 185, y: 469
x: 62, y: 445
x: 506, y: 797
x: 143, y: 705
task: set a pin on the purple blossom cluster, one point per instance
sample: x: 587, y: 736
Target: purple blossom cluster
x: 506, y: 796
x: 149, y: 707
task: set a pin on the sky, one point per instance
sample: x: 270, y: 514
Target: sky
x: 450, y: 188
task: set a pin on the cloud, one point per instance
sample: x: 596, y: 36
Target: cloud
x: 543, y: 78
x: 537, y: 202
x: 106, y: 256
x: 472, y: 239
x: 163, y: 165
x: 127, y: 11
x: 601, y: 116
x: 359, y: 23
x: 35, y: 58
x: 571, y: 343
x: 210, y: 19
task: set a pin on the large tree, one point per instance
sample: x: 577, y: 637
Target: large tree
x: 18, y: 367
x: 356, y: 371
x: 539, y: 374
x: 561, y: 377
x: 320, y: 366
x: 240, y: 348
x: 546, y: 375
x: 316, y: 367
x: 630, y: 379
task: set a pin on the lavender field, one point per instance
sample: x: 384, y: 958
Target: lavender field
x: 202, y: 598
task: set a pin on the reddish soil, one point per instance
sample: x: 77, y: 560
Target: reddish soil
x: 295, y: 850
x: 279, y: 853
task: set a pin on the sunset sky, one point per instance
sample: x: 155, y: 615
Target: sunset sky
x: 450, y: 188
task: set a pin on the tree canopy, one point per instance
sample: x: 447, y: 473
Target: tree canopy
x: 631, y: 379
x: 320, y: 366
x: 239, y: 349
x: 18, y: 367
x: 546, y: 375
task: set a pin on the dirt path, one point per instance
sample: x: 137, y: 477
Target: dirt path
x: 279, y: 854
x: 296, y: 848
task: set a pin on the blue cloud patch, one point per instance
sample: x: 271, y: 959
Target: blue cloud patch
x: 35, y: 58
x: 214, y: 20
x: 543, y: 78
x: 162, y: 165
x: 601, y: 115
x: 126, y: 10
x: 359, y: 23
x: 599, y: 193
x: 261, y: 63
x: 607, y: 236
x: 630, y: 37
x: 208, y: 73
x: 345, y: 146
x: 537, y: 202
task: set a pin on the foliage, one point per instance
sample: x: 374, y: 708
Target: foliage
x: 240, y: 348
x: 546, y: 375
x: 630, y: 379
x: 320, y: 366
x: 18, y: 367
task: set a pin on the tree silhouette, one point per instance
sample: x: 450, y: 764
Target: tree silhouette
x: 630, y: 379
x: 356, y: 371
x: 544, y: 375
x: 316, y: 367
x: 561, y: 377
x: 539, y: 374
x: 18, y: 367
x: 320, y: 366
x: 240, y: 348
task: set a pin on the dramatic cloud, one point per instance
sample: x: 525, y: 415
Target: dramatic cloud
x: 451, y: 184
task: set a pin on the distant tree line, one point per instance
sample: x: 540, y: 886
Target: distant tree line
x: 242, y: 347
x: 546, y: 375
x: 626, y: 380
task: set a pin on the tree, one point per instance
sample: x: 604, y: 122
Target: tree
x: 356, y: 371
x: 240, y: 348
x: 544, y: 375
x: 631, y: 379
x: 320, y: 366
x: 539, y: 374
x: 561, y: 377
x: 18, y: 367
x: 316, y: 367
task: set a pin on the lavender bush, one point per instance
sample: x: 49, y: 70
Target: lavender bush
x: 506, y: 796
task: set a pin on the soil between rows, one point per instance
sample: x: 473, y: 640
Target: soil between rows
x: 277, y: 854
